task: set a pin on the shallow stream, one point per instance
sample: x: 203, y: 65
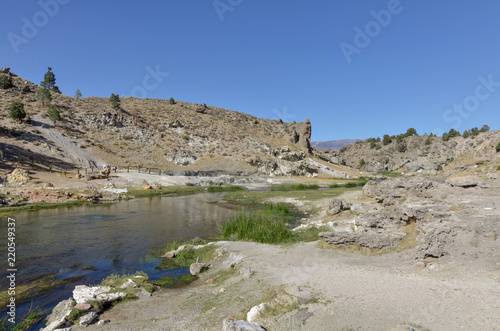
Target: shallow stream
x: 83, y: 245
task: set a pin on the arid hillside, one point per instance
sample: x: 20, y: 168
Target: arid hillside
x: 429, y: 154
x: 152, y: 133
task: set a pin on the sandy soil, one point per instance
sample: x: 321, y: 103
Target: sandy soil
x: 350, y: 291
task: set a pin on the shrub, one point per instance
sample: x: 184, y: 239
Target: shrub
x: 401, y: 147
x: 361, y: 163
x: 172, y: 101
x: 5, y: 82
x: 386, y: 140
x: 43, y: 95
x: 453, y: 133
x: 54, y: 114
x: 16, y: 111
x: 373, y: 145
x: 439, y: 167
x: 428, y: 141
x: 445, y: 137
x: 498, y: 147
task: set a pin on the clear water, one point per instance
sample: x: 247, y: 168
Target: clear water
x: 111, y: 239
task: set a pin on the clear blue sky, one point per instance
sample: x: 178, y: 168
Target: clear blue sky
x: 274, y: 59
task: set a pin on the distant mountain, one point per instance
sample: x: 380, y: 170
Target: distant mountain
x: 333, y: 144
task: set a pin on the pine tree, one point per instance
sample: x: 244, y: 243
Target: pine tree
x: 49, y: 80
x: 114, y: 99
x: 78, y: 94
x: 172, y: 101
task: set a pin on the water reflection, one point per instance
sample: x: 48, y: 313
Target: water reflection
x: 93, y: 242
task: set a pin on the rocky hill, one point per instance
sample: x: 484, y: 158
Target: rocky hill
x: 422, y: 154
x: 149, y: 133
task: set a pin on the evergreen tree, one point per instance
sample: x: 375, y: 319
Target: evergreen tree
x: 411, y: 132
x: 386, y: 140
x: 78, y: 94
x: 428, y: 141
x: 114, y: 99
x: 485, y: 128
x: 16, y: 111
x: 172, y: 101
x: 43, y: 95
x: 54, y: 114
x: 49, y: 80
x: 498, y: 147
x: 466, y: 134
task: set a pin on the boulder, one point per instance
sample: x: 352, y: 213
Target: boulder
x: 87, y: 319
x: 255, y: 312
x: 18, y: 177
x: 465, y: 182
x: 230, y: 324
x: 57, y: 319
x: 196, y: 268
x: 338, y: 205
x: 83, y: 306
x: 363, y: 239
x: 83, y: 293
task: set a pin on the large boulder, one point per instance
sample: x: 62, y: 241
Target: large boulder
x: 338, y: 205
x: 57, y: 319
x: 83, y: 293
x: 18, y: 177
x: 230, y: 324
x: 196, y: 268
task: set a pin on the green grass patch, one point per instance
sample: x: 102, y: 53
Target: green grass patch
x: 179, y: 190
x: 262, y: 197
x: 349, y: 184
x: 42, y: 205
x: 175, y: 281
x: 187, y: 256
x: 30, y: 320
x: 294, y: 187
x: 255, y: 227
x: 28, y: 290
x: 309, y: 234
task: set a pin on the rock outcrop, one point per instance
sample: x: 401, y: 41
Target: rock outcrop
x: 427, y: 212
x: 230, y: 324
x: 18, y: 177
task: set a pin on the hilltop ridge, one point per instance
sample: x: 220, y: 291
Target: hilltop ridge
x: 150, y: 133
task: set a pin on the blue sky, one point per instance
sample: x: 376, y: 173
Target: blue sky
x: 356, y: 69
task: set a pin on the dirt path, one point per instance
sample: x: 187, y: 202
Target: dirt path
x: 349, y: 291
x: 72, y: 151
